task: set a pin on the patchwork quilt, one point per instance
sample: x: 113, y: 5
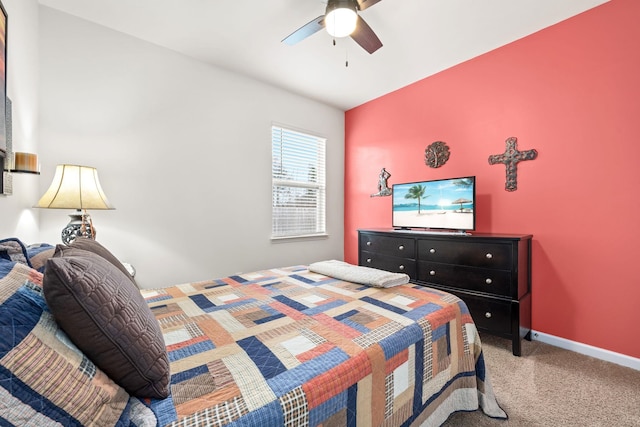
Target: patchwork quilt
x: 45, y: 380
x: 288, y: 347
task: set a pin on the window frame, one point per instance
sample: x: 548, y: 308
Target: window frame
x: 294, y: 138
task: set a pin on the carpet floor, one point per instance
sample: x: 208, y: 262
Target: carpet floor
x: 550, y: 386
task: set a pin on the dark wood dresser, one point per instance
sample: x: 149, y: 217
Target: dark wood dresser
x: 491, y: 273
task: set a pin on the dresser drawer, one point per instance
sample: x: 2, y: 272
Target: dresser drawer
x: 489, y: 314
x: 497, y: 282
x: 385, y: 245
x: 476, y: 254
x: 388, y: 263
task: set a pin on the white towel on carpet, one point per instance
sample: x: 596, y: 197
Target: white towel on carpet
x: 357, y: 274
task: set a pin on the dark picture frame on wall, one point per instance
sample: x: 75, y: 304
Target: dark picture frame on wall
x: 3, y: 88
x: 3, y: 76
x: 3, y: 95
x: 2, y: 155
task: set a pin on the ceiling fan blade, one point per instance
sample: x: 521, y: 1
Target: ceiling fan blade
x: 363, y: 4
x: 365, y: 37
x: 305, y: 31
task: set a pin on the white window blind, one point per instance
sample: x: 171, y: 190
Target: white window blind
x: 298, y: 183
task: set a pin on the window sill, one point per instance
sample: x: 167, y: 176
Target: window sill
x: 301, y: 237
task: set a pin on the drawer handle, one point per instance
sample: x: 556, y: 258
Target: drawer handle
x: 432, y: 251
x: 401, y: 268
x: 488, y: 281
x: 368, y: 243
x: 432, y: 273
x: 368, y: 260
x: 487, y: 315
x: 401, y: 247
x: 489, y: 256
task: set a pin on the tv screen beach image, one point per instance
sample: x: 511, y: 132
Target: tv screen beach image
x: 441, y: 204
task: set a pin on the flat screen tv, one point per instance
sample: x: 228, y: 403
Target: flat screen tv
x: 443, y: 204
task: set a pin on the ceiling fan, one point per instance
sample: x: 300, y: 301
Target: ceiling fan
x: 341, y: 19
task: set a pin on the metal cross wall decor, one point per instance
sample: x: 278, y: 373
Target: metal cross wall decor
x: 510, y: 159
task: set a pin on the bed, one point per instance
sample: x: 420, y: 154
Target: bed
x: 280, y: 347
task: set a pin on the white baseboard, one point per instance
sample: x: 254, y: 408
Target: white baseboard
x: 589, y: 350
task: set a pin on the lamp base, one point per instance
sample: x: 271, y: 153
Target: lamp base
x: 79, y: 226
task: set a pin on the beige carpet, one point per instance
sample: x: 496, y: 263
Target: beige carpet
x: 549, y: 386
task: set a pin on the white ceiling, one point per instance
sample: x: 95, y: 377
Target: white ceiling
x: 420, y: 37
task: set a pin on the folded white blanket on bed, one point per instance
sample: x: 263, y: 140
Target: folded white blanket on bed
x: 357, y: 274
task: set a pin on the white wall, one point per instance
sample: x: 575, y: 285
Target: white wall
x: 182, y: 149
x: 17, y: 219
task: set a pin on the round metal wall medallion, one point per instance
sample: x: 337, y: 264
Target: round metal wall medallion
x: 436, y: 154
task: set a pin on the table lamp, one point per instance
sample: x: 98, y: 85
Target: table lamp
x: 75, y: 187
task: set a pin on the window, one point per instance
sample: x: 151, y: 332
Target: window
x: 298, y: 184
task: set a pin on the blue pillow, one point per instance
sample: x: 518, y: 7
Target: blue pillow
x: 37, y: 248
x: 38, y: 254
x: 13, y: 249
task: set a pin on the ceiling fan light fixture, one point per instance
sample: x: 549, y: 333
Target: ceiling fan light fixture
x: 341, y: 18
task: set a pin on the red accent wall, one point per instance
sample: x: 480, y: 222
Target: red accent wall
x: 572, y: 92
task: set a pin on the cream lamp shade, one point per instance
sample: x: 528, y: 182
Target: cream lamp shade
x: 75, y: 187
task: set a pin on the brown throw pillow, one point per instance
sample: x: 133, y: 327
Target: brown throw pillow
x: 104, y: 314
x: 69, y: 251
x: 92, y: 246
